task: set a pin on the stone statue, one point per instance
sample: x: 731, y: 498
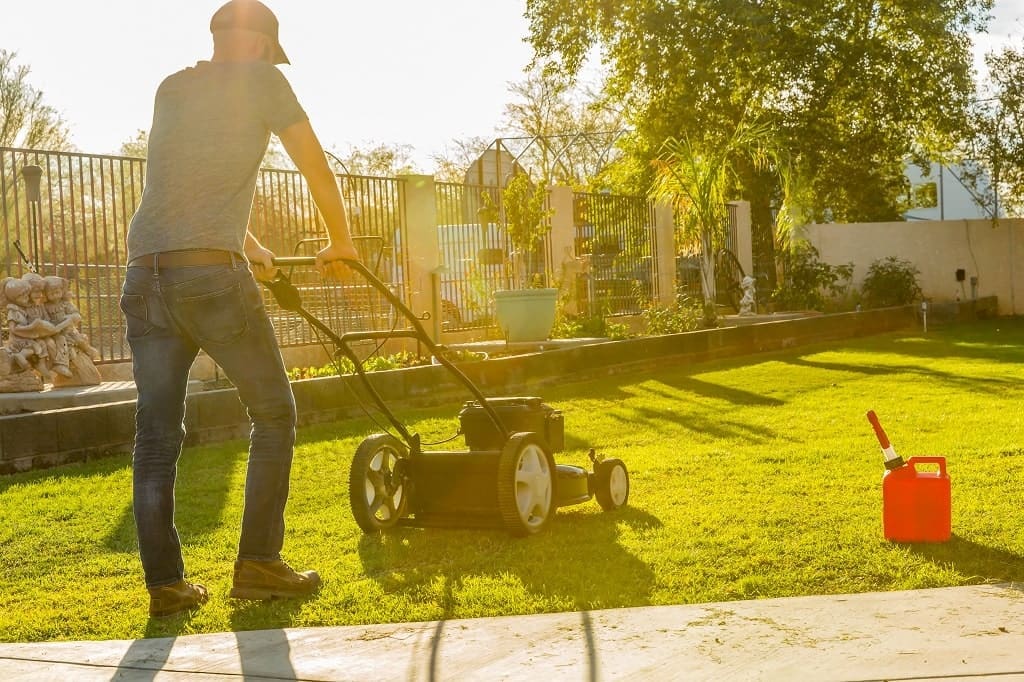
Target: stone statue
x: 56, y: 344
x: 63, y: 314
x: 43, y: 342
x: 748, y: 303
x: 24, y: 350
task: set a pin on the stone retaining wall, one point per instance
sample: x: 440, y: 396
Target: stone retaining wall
x: 53, y: 437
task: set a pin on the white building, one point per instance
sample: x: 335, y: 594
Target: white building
x: 945, y: 194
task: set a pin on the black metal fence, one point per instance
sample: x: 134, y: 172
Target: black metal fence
x: 477, y: 255
x: 616, y: 235
x: 474, y: 253
x: 76, y: 227
x: 287, y: 222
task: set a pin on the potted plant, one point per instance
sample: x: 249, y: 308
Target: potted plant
x: 526, y: 311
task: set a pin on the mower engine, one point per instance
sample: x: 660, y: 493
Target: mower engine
x: 517, y: 414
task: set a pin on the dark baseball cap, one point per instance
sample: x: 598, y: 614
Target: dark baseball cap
x: 250, y: 15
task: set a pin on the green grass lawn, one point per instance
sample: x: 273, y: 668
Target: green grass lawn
x: 751, y: 477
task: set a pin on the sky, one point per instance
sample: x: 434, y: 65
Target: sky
x: 414, y: 72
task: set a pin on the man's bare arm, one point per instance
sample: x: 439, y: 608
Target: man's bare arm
x: 305, y: 150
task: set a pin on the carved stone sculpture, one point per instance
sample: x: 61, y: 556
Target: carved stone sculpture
x: 43, y: 341
x: 748, y: 302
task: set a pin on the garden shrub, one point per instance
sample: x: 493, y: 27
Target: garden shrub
x: 588, y: 326
x: 891, y: 281
x: 807, y: 280
x: 379, y: 363
x: 685, y: 315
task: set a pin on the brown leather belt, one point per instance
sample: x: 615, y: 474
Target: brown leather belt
x: 185, y: 259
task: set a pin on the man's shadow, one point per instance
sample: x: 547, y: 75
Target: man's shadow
x: 266, y: 652
x: 146, y: 657
x: 576, y: 559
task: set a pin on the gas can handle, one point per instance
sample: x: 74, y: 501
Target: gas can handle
x: 941, y: 461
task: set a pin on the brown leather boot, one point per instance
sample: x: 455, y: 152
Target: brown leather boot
x: 169, y: 600
x: 271, y: 580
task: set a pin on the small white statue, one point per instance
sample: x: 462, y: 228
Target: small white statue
x: 748, y: 302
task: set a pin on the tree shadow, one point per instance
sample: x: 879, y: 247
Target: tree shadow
x: 980, y: 563
x: 994, y: 340
x: 972, y: 383
x: 680, y: 395
x: 707, y: 389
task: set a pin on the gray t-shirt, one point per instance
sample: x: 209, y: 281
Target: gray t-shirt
x: 211, y: 126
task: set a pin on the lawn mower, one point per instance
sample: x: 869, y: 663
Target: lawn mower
x: 506, y: 478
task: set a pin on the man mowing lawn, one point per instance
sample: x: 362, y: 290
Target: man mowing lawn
x: 189, y: 287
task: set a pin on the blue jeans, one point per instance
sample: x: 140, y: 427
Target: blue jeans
x: 171, y: 314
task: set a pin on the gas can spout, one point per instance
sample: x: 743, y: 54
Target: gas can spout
x: 892, y: 460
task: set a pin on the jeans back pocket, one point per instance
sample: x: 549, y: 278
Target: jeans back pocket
x: 217, y: 316
x: 136, y: 314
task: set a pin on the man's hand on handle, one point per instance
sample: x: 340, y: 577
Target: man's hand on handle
x: 330, y: 261
x: 261, y: 261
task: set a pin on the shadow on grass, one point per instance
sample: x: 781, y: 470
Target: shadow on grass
x: 999, y: 340
x: 260, y: 615
x: 671, y: 400
x: 205, y: 480
x: 736, y: 396
x: 972, y: 383
x: 577, y: 559
x: 977, y: 562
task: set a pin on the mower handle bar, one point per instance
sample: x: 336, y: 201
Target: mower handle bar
x: 287, y: 261
x: 419, y: 333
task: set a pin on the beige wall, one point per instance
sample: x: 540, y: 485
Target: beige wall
x: 992, y: 252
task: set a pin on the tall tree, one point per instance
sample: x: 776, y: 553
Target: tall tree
x: 451, y: 163
x: 381, y: 160
x: 697, y: 180
x: 562, y: 132
x: 851, y: 87
x: 25, y: 119
x: 994, y: 168
x: 136, y: 147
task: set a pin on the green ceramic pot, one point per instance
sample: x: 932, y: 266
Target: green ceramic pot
x: 525, y: 314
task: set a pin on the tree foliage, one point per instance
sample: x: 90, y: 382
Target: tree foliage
x: 696, y: 177
x: 136, y: 147
x: 561, y: 132
x: 451, y: 163
x: 851, y: 87
x: 995, y: 151
x: 25, y: 119
x: 378, y: 160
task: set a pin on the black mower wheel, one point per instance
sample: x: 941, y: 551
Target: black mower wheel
x: 377, y: 490
x: 526, y: 485
x: 611, y: 484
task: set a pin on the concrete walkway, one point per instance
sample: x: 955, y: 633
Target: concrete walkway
x: 962, y: 633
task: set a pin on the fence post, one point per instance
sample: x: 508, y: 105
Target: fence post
x: 563, y: 229
x: 665, y: 252
x: 743, y: 241
x: 424, y: 252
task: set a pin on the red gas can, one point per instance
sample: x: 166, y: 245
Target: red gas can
x: 915, y: 504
